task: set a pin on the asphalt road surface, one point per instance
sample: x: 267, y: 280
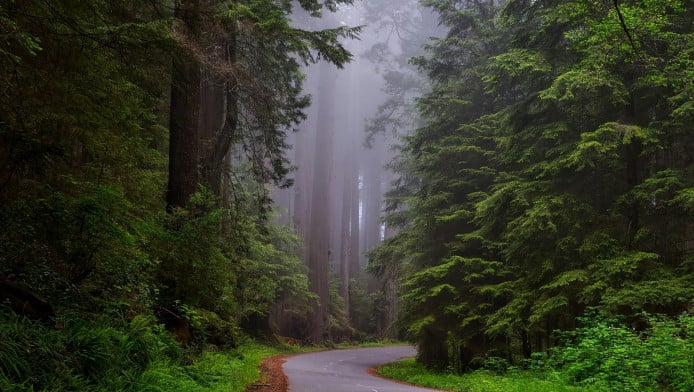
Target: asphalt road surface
x: 346, y: 370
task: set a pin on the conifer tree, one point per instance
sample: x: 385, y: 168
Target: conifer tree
x: 551, y: 166
x: 255, y: 58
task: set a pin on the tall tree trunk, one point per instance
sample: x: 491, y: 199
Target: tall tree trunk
x: 185, y: 102
x: 386, y: 320
x: 345, y: 242
x: 319, y: 245
x: 372, y: 199
x: 355, y: 227
x: 349, y: 225
x: 304, y: 159
x: 221, y: 113
x: 211, y: 123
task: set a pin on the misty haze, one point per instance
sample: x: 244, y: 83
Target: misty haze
x: 323, y: 195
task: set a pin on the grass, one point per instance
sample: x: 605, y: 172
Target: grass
x: 224, y: 371
x: 227, y: 371
x: 480, y: 381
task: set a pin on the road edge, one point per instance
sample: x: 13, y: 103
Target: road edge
x: 272, y: 378
x: 374, y: 372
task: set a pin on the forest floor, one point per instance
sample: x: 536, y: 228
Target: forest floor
x: 272, y: 378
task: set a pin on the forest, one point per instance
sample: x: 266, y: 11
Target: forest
x: 501, y: 183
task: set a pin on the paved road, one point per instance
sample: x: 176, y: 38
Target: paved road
x: 345, y: 370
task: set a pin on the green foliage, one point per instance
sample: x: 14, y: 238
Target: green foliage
x: 82, y: 173
x: 193, y: 268
x: 364, y: 308
x: 80, y: 157
x: 551, y: 174
x: 90, y: 247
x: 310, y: 46
x: 605, y: 354
x: 238, y: 273
x: 16, y: 43
x: 478, y: 381
x: 98, y: 355
x: 273, y: 271
x: 211, y: 372
x: 81, y: 354
x: 603, y: 147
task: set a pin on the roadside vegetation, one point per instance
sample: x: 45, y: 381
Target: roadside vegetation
x: 136, y: 356
x: 412, y: 372
x: 602, y: 355
x: 227, y: 371
x: 80, y: 354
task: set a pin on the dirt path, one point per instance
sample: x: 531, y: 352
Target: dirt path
x: 272, y: 377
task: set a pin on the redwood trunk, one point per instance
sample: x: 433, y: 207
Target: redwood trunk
x: 185, y: 111
x: 319, y: 239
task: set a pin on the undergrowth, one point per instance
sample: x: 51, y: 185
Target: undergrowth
x: 601, y: 355
x: 95, y: 355
x: 479, y: 381
x: 611, y: 355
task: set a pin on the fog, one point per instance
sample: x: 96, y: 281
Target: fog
x: 341, y: 150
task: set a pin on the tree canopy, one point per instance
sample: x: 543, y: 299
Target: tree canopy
x: 554, y: 168
x: 97, y: 238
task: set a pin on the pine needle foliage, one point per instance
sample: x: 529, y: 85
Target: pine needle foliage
x: 553, y: 175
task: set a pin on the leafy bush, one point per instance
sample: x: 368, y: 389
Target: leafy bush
x: 230, y: 262
x: 193, y: 269
x: 80, y: 354
x: 87, y: 249
x: 607, y: 354
x: 496, y: 364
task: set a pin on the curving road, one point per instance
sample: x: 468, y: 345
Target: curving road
x: 346, y: 370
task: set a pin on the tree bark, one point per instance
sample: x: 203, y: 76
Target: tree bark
x: 354, y: 266
x: 349, y: 244
x: 372, y: 199
x: 184, y: 117
x: 345, y: 242
x: 319, y: 245
x: 211, y: 125
x: 220, y: 106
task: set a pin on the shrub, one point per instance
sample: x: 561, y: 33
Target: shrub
x: 607, y: 354
x: 82, y: 354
